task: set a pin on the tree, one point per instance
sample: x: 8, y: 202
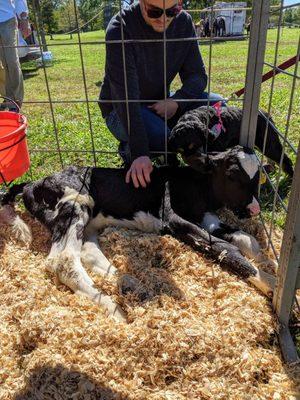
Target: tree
x: 37, y: 19
x: 49, y: 18
x: 296, y: 20
x: 88, y: 9
x: 67, y: 17
x: 288, y: 16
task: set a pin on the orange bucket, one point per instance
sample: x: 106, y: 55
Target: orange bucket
x: 14, y: 156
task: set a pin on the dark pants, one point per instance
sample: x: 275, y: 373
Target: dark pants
x: 156, y: 129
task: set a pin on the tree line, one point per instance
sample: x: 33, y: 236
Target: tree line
x: 58, y: 16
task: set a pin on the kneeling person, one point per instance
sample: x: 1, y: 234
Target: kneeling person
x: 145, y: 134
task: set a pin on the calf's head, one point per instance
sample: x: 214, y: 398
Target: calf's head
x: 186, y: 138
x: 234, y: 178
x: 191, y: 130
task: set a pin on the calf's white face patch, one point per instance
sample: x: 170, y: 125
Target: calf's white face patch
x: 249, y: 163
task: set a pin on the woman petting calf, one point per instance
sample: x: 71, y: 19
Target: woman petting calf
x: 77, y: 203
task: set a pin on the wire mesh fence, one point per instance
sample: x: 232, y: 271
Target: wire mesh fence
x: 66, y: 125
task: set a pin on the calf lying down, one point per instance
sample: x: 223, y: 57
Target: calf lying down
x: 78, y: 202
x: 190, y: 133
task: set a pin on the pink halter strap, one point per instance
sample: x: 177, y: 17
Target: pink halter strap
x: 218, y: 107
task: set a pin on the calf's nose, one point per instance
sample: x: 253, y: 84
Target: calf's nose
x: 253, y: 207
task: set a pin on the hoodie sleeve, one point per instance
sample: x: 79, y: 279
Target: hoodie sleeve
x: 192, y: 74
x: 138, y: 140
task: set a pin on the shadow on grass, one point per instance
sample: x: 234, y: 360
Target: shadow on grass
x: 28, y: 74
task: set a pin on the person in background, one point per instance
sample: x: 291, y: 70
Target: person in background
x: 143, y: 135
x: 206, y: 27
x: 13, y: 15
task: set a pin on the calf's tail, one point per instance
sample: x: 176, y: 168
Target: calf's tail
x: 8, y: 215
x: 274, y: 147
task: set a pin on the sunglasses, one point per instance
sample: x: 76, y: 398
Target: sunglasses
x: 156, y: 12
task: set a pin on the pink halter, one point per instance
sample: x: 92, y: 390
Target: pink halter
x: 217, y: 129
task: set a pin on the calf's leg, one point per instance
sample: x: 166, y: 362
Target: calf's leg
x: 64, y: 258
x: 273, y: 149
x: 92, y: 257
x: 226, y: 253
x: 247, y: 245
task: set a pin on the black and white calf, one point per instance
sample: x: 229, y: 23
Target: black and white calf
x: 190, y: 133
x: 78, y: 202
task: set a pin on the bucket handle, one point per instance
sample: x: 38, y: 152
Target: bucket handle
x: 12, y: 101
x: 22, y: 118
x: 21, y: 128
x: 12, y: 145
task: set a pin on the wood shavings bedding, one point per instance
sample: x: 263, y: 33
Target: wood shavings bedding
x: 201, y: 334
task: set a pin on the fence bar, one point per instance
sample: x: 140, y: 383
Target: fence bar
x: 84, y: 82
x: 292, y: 148
x: 209, y: 78
x: 289, y: 268
x: 125, y: 72
x: 38, y: 22
x: 41, y: 102
x: 285, y: 136
x: 165, y: 88
x: 256, y: 54
x: 282, y: 71
x: 267, y: 233
x: 119, y: 101
x: 274, y: 10
x: 271, y: 98
x: 131, y: 41
x: 287, y: 345
x: 39, y: 150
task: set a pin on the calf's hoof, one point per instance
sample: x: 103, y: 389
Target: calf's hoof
x: 112, y: 308
x: 264, y: 282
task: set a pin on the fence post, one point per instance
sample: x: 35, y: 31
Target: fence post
x: 288, y: 272
x: 256, y: 53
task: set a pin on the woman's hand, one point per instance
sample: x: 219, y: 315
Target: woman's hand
x: 140, y: 171
x: 170, y: 105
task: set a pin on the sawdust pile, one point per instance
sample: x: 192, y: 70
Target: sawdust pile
x: 201, y: 334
